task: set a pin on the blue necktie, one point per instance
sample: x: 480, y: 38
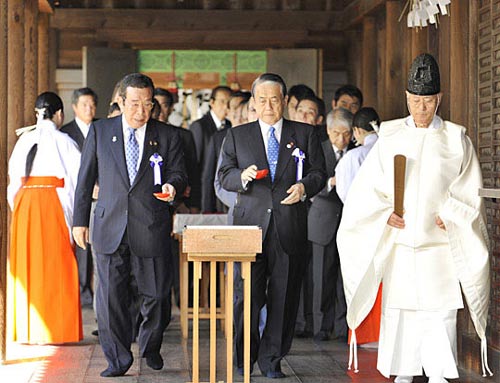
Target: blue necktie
x: 131, y: 155
x: 273, y: 148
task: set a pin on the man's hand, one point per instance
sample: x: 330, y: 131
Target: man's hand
x: 295, y: 193
x: 95, y: 192
x: 440, y: 223
x: 332, y: 181
x: 249, y: 173
x: 167, y: 188
x: 396, y: 221
x: 81, y: 236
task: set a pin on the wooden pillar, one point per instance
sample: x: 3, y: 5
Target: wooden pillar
x: 418, y: 41
x: 43, y: 53
x: 30, y: 60
x: 459, y: 22
x: 3, y: 177
x: 354, y: 54
x: 395, y: 70
x: 381, y: 46
x: 15, y: 65
x: 369, y: 62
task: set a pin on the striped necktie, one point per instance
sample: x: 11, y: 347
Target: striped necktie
x: 273, y: 147
x: 131, y: 155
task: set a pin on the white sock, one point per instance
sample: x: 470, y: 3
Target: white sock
x: 403, y: 379
x: 439, y: 379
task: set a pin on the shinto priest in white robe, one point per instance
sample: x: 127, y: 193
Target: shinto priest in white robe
x: 422, y: 266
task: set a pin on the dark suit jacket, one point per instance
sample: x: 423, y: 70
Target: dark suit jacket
x: 192, y: 169
x: 202, y: 130
x: 243, y: 147
x: 208, y: 197
x: 122, y: 206
x: 326, y: 209
x: 72, y: 130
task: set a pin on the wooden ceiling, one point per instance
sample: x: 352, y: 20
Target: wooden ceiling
x: 207, y: 24
x: 289, y: 5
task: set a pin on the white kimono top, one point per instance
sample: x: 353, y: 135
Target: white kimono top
x: 57, y: 155
x: 346, y: 170
x: 442, y: 179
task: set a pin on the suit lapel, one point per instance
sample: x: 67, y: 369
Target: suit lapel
x: 116, y: 142
x: 150, y: 146
x: 288, y: 144
x: 256, y: 143
x: 330, y: 159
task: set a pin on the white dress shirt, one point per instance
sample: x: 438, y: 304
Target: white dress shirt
x: 84, y: 128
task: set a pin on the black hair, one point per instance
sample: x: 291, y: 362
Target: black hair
x: 300, y: 91
x: 364, y: 116
x: 244, y: 95
x: 351, y: 91
x: 270, y: 77
x: 220, y: 88
x: 77, y: 93
x: 113, y: 108
x: 165, y: 93
x: 135, y: 80
x: 50, y: 103
x: 155, y: 112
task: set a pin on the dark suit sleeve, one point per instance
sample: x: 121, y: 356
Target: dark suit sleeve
x: 315, y: 178
x: 208, y: 176
x: 175, y: 169
x: 229, y: 173
x: 87, y: 177
x: 193, y: 171
x: 197, y: 129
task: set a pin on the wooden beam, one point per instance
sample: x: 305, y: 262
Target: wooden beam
x: 4, y: 231
x: 357, y: 10
x: 214, y: 39
x: 157, y: 20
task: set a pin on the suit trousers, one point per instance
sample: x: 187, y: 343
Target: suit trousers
x: 84, y: 262
x: 333, y: 303
x: 115, y: 320
x: 276, y: 282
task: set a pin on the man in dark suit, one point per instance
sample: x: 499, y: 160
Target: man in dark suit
x: 131, y: 156
x: 323, y: 221
x: 84, y: 103
x: 277, y: 204
x: 209, y: 200
x: 203, y: 129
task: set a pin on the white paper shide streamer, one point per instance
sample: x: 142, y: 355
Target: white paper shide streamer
x: 299, y: 160
x: 156, y: 161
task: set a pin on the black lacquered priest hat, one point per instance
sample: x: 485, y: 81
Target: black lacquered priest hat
x: 423, y: 79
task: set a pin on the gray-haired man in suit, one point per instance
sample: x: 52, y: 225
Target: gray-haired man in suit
x: 277, y: 204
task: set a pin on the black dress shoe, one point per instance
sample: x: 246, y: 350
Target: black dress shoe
x: 241, y: 371
x: 322, y: 336
x: 274, y: 374
x: 155, y: 361
x: 111, y: 372
x: 95, y: 332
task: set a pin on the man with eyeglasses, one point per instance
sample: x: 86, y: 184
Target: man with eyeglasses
x: 132, y: 157
x: 429, y: 254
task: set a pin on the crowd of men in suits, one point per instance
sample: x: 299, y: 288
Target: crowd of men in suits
x: 129, y: 157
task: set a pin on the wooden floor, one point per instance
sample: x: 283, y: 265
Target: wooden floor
x: 308, y: 362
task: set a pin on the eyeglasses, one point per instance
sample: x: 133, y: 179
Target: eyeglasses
x: 148, y: 105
